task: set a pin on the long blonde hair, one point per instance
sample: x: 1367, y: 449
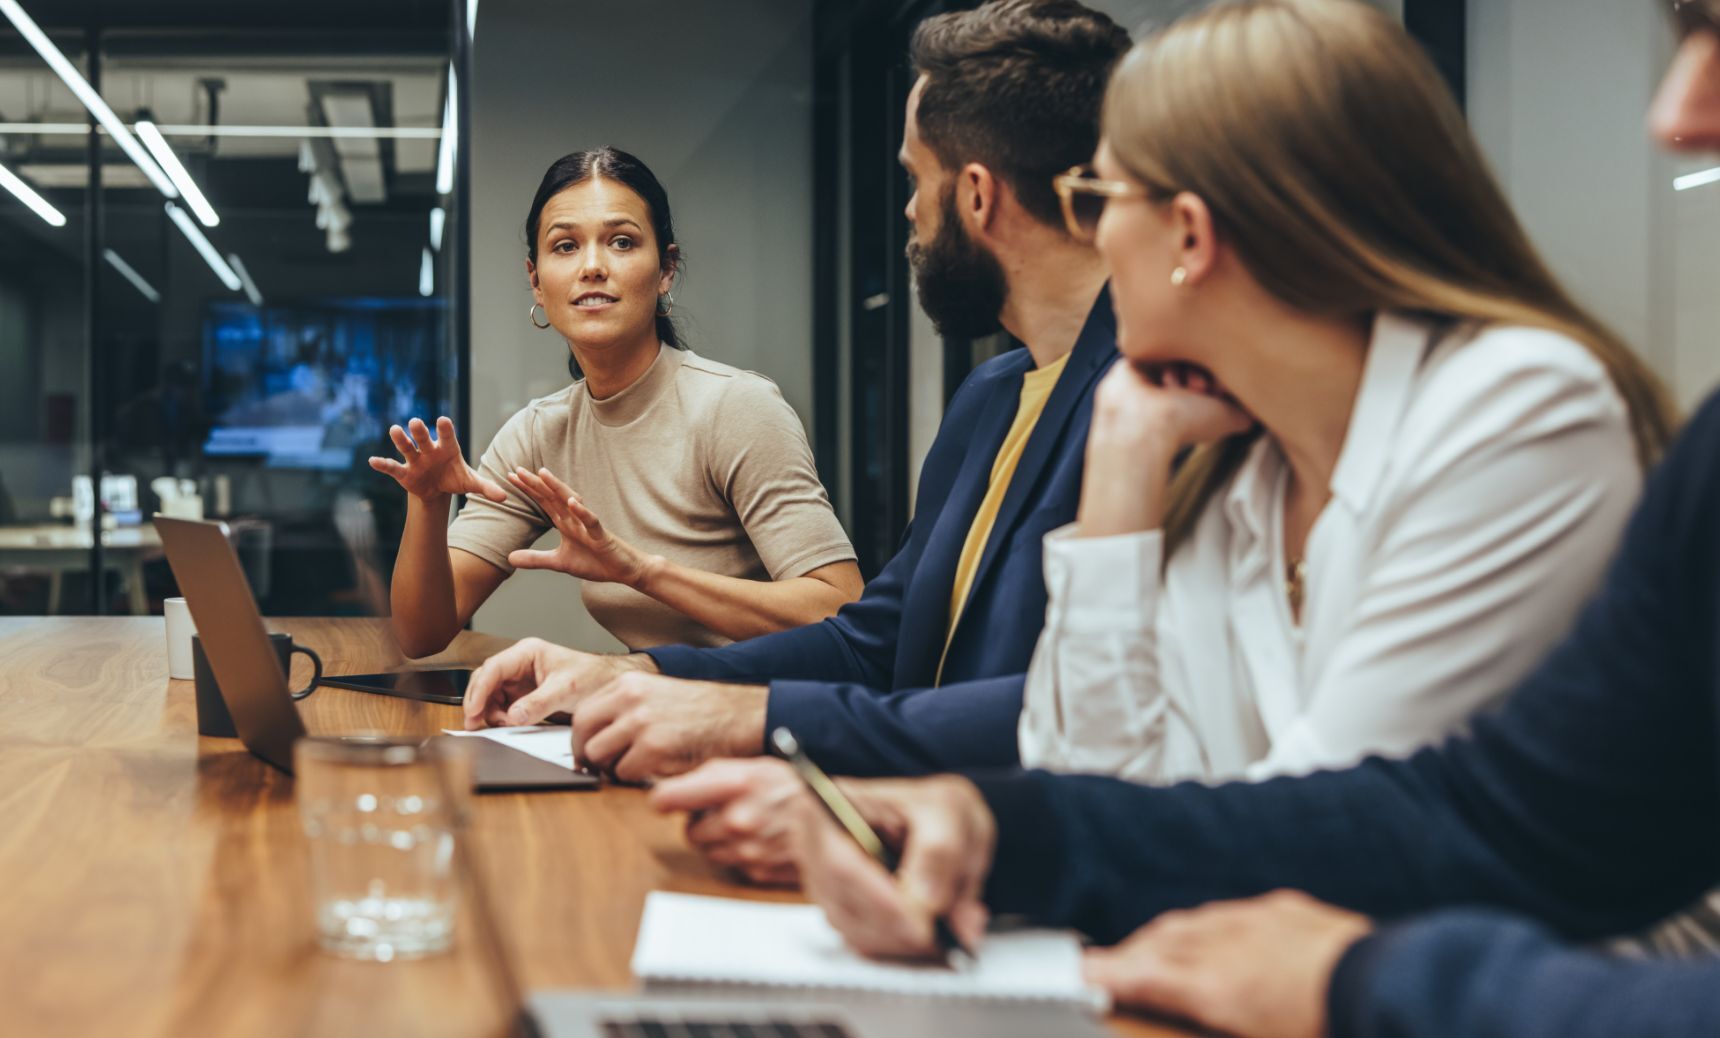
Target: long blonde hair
x: 1336, y: 163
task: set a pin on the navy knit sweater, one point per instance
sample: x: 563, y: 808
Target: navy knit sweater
x: 1587, y: 806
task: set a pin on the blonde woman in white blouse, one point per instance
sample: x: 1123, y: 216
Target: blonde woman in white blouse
x: 1409, y: 454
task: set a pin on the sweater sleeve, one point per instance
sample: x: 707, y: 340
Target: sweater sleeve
x: 1587, y: 802
x: 1488, y: 975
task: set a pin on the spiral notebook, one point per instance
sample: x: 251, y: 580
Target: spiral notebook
x: 686, y: 939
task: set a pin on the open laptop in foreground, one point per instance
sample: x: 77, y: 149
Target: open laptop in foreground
x: 237, y: 644
x: 709, y: 1011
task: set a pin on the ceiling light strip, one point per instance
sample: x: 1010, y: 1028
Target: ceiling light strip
x: 177, y: 172
x: 93, y: 101
x: 27, y: 194
x: 143, y: 287
x: 398, y: 133
x: 1690, y: 180
x: 446, y: 154
x: 238, y: 266
x: 204, y: 249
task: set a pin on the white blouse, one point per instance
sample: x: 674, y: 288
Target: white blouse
x: 1480, y: 492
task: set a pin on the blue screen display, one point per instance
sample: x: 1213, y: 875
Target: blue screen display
x: 316, y: 384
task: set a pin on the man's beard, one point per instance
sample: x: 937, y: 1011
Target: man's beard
x: 960, y: 284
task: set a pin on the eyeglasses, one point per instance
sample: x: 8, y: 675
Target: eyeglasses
x: 1084, y: 196
x: 1696, y: 16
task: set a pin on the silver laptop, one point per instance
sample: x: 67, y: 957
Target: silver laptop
x: 574, y: 1015
x: 249, y: 673
x: 233, y: 637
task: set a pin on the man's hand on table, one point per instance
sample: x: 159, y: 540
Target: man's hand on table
x: 642, y: 726
x: 1258, y: 968
x: 533, y: 680
x: 737, y: 815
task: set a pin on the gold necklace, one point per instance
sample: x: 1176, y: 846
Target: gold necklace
x: 1294, y: 576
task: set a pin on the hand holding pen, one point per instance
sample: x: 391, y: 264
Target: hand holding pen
x: 931, y: 907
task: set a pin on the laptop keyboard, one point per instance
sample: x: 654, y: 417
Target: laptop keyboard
x: 647, y: 1027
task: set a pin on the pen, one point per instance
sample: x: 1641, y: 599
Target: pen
x: 850, y: 819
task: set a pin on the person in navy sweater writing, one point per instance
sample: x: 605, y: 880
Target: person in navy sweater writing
x: 1454, y: 892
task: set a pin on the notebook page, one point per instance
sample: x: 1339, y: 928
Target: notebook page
x: 685, y: 938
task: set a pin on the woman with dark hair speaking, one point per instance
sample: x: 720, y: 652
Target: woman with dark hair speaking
x: 698, y: 516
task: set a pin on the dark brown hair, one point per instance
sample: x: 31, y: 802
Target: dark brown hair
x: 1016, y: 85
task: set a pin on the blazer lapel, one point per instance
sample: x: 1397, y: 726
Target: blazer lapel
x: 926, y: 611
x: 1094, y: 349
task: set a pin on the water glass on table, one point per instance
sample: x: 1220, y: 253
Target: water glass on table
x: 382, y: 816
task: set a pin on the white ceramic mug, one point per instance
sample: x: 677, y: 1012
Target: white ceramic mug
x: 179, y: 632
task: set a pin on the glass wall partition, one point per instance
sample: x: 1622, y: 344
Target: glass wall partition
x: 261, y: 294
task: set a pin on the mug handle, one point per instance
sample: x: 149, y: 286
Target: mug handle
x: 316, y: 676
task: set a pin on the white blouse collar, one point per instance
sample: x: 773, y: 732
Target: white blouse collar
x: 1396, y: 350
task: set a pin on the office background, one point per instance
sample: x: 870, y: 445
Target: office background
x: 773, y: 124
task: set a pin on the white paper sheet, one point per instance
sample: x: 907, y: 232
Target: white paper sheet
x: 553, y: 743
x: 685, y: 938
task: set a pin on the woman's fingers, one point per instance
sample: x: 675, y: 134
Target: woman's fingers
x: 534, y: 488
x: 420, y: 435
x: 556, y: 486
x: 388, y: 467
x: 485, y: 486
x: 445, y: 431
x: 587, y: 518
x: 403, y: 442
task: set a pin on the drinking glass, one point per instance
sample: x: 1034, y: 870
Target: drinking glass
x: 381, y: 816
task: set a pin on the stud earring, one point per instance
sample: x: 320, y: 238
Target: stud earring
x: 1179, y: 276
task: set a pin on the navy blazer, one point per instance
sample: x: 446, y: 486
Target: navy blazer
x: 856, y: 688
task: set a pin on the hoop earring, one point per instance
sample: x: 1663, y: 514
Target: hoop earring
x: 665, y: 304
x: 1179, y: 276
x: 531, y: 315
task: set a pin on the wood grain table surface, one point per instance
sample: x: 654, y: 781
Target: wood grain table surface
x: 154, y: 882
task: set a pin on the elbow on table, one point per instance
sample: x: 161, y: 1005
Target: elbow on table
x: 415, y: 641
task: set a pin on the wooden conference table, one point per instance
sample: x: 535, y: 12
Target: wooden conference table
x: 153, y: 882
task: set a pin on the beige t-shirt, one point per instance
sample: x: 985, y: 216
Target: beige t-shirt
x: 701, y: 463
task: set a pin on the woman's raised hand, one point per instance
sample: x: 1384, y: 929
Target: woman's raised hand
x: 587, y: 550
x: 433, y: 468
x: 1179, y: 404
x: 1142, y: 418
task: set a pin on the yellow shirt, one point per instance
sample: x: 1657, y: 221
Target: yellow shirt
x: 1036, y: 389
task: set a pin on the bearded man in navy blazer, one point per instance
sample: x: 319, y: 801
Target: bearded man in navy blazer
x: 925, y: 671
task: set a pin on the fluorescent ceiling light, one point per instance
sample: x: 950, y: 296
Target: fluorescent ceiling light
x: 204, y: 249
x: 445, y: 157
x: 85, y: 93
x: 143, y: 287
x: 1690, y: 180
x: 177, y: 172
x: 360, y: 157
x: 27, y: 194
x: 426, y: 276
x: 406, y: 133
x: 399, y: 133
x: 438, y: 217
x: 250, y: 286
